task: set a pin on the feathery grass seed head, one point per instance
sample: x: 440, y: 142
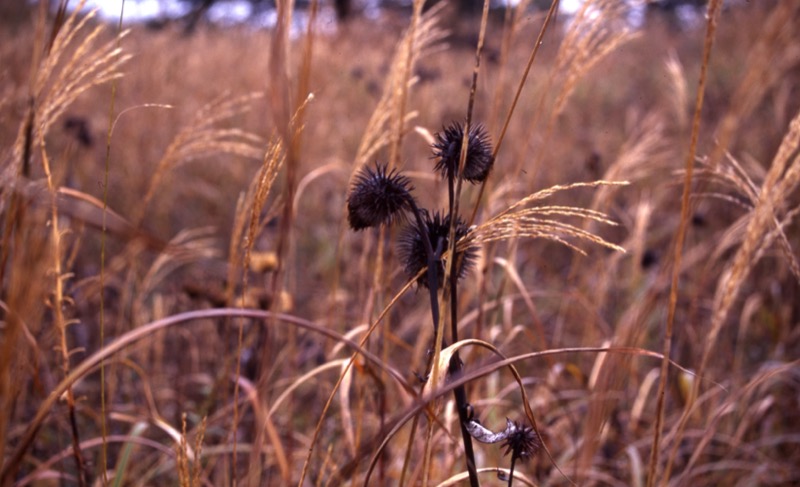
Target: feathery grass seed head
x: 377, y: 197
x: 411, y: 247
x: 447, y: 147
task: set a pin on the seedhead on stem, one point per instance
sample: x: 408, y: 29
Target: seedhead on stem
x: 378, y: 197
x: 447, y: 148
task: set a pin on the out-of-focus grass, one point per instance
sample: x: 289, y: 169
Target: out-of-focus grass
x: 626, y: 119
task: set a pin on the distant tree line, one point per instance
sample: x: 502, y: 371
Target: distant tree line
x: 345, y: 9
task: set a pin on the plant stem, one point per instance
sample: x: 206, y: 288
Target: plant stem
x: 433, y: 263
x: 456, y: 366
x: 511, y: 470
x: 460, y: 392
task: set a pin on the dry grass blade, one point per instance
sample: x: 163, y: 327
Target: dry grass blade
x: 204, y: 138
x: 84, y: 208
x: 341, y: 378
x: 500, y: 473
x: 188, y: 246
x: 513, y: 274
x: 130, y: 338
x: 254, y: 201
x: 749, y: 393
x: 425, y: 401
x: 597, y: 29
x: 550, y: 15
x: 711, y: 25
x: 781, y: 181
x: 422, y: 39
x: 344, y: 404
x: 772, y: 54
x: 305, y: 378
x: 43, y: 471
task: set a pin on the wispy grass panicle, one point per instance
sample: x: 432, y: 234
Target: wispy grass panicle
x: 379, y: 196
x: 206, y: 136
x: 520, y: 220
x: 78, y: 60
x: 423, y: 40
x: 447, y: 148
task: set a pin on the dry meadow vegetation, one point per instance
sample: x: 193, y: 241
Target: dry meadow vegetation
x: 183, y: 302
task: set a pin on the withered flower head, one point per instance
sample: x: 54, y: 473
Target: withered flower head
x: 447, y: 148
x: 522, y: 441
x: 411, y: 247
x: 377, y: 197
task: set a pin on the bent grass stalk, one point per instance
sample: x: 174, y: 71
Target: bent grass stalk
x: 425, y: 401
x: 122, y: 343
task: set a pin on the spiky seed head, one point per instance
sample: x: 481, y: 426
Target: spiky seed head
x: 411, y: 247
x: 377, y: 197
x: 447, y: 148
x: 522, y: 441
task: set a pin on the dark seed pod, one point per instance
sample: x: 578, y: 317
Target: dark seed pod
x: 447, y: 148
x: 522, y: 441
x: 377, y: 197
x: 411, y: 247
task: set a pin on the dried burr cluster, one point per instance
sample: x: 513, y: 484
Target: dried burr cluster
x: 383, y: 196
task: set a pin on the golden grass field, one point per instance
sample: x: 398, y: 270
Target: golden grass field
x: 183, y: 302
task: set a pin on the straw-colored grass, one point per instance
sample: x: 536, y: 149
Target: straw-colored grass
x: 182, y: 302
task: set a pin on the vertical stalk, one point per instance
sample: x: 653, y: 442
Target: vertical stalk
x: 460, y: 392
x: 454, y: 191
x: 713, y: 8
x: 57, y: 305
x: 456, y: 365
x: 511, y: 470
x: 103, y: 424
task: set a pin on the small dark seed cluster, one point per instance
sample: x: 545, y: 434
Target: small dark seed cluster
x: 378, y: 197
x: 447, y: 148
x: 522, y: 442
x: 381, y: 196
x: 411, y: 247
